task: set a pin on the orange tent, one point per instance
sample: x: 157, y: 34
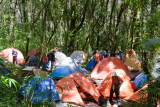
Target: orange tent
x: 7, y: 53
x: 34, y: 51
x: 139, y: 96
x: 126, y: 87
x: 73, y: 87
x: 106, y: 65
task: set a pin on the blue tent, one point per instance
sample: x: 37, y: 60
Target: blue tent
x: 102, y: 54
x: 68, y: 61
x: 89, y: 64
x: 140, y: 80
x: 6, y: 72
x: 61, y: 72
x: 40, y: 90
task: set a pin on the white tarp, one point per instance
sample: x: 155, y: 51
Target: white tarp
x: 59, y: 58
x: 68, y: 61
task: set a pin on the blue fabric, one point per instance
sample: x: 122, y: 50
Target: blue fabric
x: 61, y: 72
x: 140, y: 80
x: 89, y: 64
x: 40, y: 89
x: 120, y: 56
x: 102, y: 54
x: 68, y: 61
x: 6, y: 72
x: 155, y: 75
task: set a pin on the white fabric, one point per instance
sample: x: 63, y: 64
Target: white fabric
x: 68, y: 61
x: 78, y: 56
x: 59, y: 58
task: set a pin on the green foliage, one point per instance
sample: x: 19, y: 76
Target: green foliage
x: 153, y: 92
x: 150, y: 44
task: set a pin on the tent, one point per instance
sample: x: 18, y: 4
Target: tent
x: 6, y: 72
x: 79, y: 56
x: 68, y: 61
x: 33, y: 61
x: 89, y: 64
x: 7, y: 53
x: 140, y: 80
x: 106, y: 65
x: 139, y: 96
x: 59, y: 57
x: 75, y: 88
x: 156, y: 70
x: 34, y: 52
x: 102, y: 54
x: 61, y: 72
x: 133, y: 63
x: 40, y: 89
x: 126, y: 88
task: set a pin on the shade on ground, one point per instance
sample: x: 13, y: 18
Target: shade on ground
x: 40, y: 89
x: 7, y: 53
x: 73, y: 86
x: 106, y: 65
x: 61, y: 72
x: 126, y: 87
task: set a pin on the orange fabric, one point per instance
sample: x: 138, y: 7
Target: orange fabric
x: 125, y: 88
x: 34, y: 51
x: 106, y: 65
x: 45, y: 59
x: 67, y: 86
x: 97, y: 57
x: 131, y: 52
x: 7, y: 53
x: 139, y: 96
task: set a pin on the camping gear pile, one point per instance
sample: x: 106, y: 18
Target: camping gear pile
x: 69, y: 83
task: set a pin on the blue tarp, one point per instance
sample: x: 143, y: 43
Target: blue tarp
x: 140, y: 80
x: 40, y: 90
x: 6, y: 72
x: 61, y: 72
x: 89, y: 64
